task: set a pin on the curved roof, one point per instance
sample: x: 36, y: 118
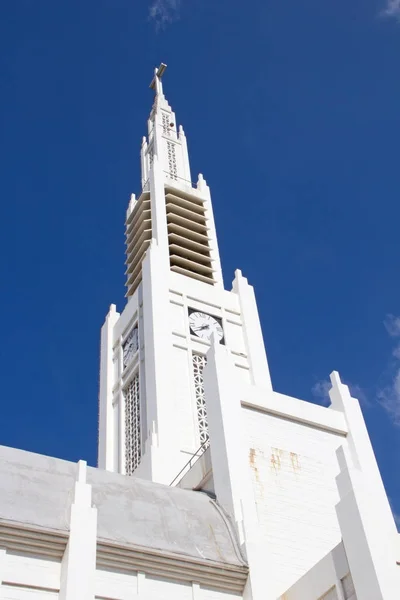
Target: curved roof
x: 37, y: 492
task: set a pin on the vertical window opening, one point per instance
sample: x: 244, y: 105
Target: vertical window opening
x: 199, y: 362
x: 133, y: 449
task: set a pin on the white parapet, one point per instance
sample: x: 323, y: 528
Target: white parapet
x: 78, y: 567
x: 253, y: 333
x: 370, y: 554
x: 231, y: 474
x: 106, y: 454
x: 361, y: 453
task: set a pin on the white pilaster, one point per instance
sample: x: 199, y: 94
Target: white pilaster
x: 3, y: 558
x: 160, y: 462
x: 131, y: 205
x: 231, y: 472
x: 143, y: 161
x: 78, y: 567
x: 361, y: 452
x: 212, y: 233
x: 185, y: 156
x: 252, y: 331
x: 106, y: 458
x: 158, y: 210
x: 196, y: 591
x: 371, y: 556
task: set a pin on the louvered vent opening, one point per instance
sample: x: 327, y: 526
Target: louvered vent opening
x: 138, y: 236
x: 189, y: 249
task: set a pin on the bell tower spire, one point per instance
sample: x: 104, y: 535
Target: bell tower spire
x: 164, y: 140
x: 152, y: 406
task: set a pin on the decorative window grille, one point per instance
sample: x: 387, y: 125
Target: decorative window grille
x: 330, y: 594
x: 348, y: 587
x: 133, y: 450
x: 165, y: 124
x: 198, y: 367
x: 172, y: 167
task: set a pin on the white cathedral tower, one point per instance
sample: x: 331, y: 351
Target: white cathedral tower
x: 152, y: 408
x: 186, y: 400
x: 211, y: 485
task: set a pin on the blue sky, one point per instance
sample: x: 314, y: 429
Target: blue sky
x: 291, y: 110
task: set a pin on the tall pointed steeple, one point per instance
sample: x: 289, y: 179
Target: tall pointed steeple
x: 165, y: 140
x: 170, y: 210
x: 152, y: 406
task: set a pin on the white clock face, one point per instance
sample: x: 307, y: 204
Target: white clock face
x: 130, y: 346
x: 204, y: 325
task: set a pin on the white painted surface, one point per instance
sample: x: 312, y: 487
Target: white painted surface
x: 206, y: 593
x: 9, y: 592
x: 157, y: 587
x: 293, y: 474
x: 123, y: 586
x: 252, y: 332
x: 32, y: 571
x: 324, y: 577
x: 3, y: 558
x: 116, y: 585
x: 77, y: 578
x: 232, y: 478
x: 368, y: 549
x: 106, y: 454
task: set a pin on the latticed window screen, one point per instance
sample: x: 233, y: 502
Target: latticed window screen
x: 330, y: 594
x: 348, y: 587
x: 165, y: 124
x: 198, y: 367
x: 133, y: 450
x: 172, y: 166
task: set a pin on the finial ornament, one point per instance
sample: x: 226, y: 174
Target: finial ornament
x: 156, y: 84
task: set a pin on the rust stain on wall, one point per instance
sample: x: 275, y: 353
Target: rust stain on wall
x: 294, y: 459
x: 276, y: 459
x: 252, y: 458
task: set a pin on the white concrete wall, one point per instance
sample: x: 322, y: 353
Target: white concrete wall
x: 37, y: 578
x: 22, y: 593
x: 124, y: 586
x: 30, y: 577
x: 293, y: 469
x: 325, y: 577
x: 168, y: 402
x: 110, y: 584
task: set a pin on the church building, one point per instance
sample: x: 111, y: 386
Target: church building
x: 210, y: 484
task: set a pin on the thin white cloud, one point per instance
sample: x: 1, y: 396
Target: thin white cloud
x: 357, y: 391
x: 164, y: 12
x: 389, y: 395
x: 393, y: 9
x: 392, y: 323
x: 320, y: 391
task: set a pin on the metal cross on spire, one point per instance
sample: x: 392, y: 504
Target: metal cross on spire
x: 156, y: 84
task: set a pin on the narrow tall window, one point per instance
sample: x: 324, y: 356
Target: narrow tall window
x: 199, y: 362
x: 133, y: 449
x: 172, y: 166
x: 165, y: 124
